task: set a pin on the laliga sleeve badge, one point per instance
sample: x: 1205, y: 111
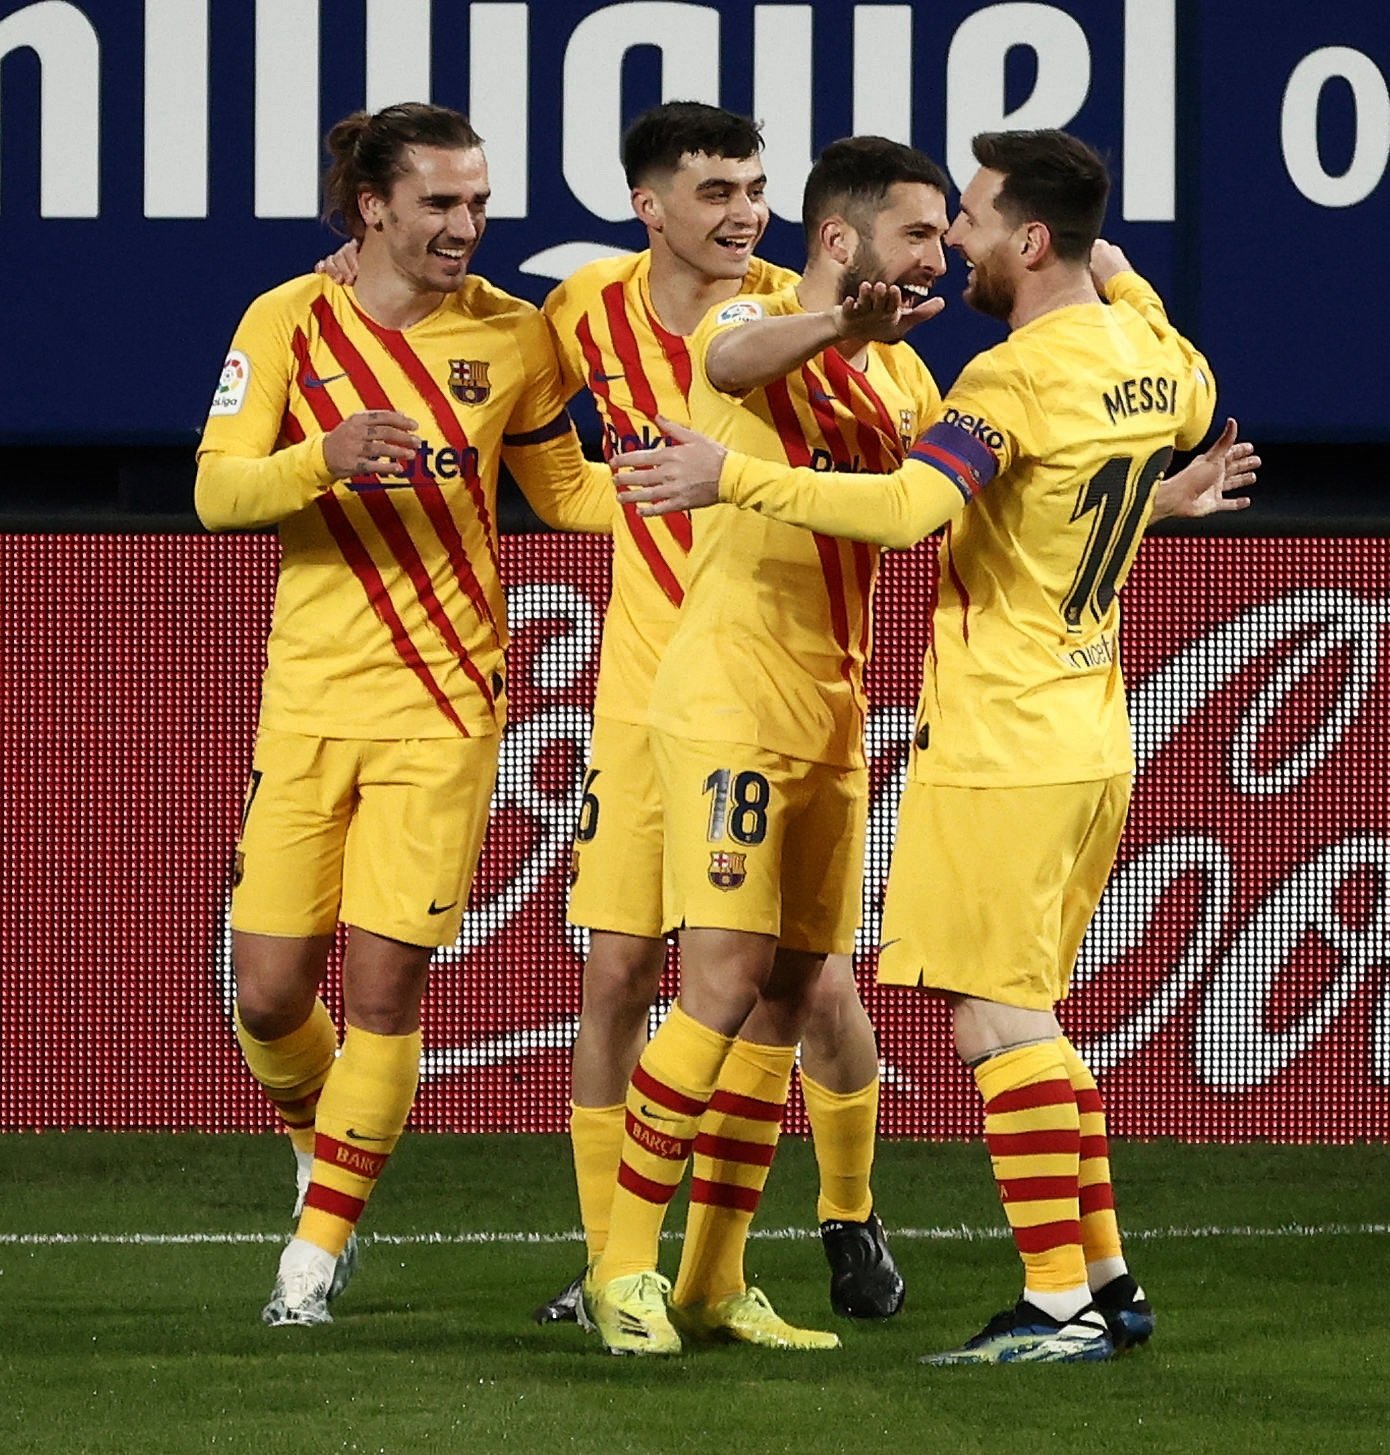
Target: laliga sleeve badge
x: 230, y: 393
x: 726, y: 870
x: 741, y: 310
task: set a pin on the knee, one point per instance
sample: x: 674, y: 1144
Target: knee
x: 266, y: 1017
x: 620, y: 980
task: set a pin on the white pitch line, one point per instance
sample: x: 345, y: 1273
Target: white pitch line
x: 961, y: 1234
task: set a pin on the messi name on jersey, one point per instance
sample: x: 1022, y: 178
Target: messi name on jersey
x: 1144, y: 395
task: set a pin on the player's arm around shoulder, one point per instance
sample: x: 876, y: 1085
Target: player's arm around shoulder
x: 243, y: 481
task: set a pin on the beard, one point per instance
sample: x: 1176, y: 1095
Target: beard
x: 864, y: 267
x: 989, y: 294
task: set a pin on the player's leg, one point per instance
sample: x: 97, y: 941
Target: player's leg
x: 815, y: 820
x: 411, y: 850
x: 1119, y: 1297
x: 615, y: 892
x: 284, y: 909
x: 840, y: 1086
x: 720, y: 864
x: 733, y: 1154
x: 996, y: 956
x: 666, y: 1099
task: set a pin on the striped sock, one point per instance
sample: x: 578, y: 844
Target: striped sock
x: 843, y: 1128
x: 596, y: 1138
x: 361, y: 1114
x: 1100, y: 1229
x: 733, y: 1154
x: 292, y: 1070
x: 1033, y: 1132
x: 665, y: 1099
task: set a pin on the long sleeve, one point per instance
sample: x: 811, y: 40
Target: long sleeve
x: 567, y: 491
x: 887, y: 510
x: 241, y: 492
x: 244, y: 482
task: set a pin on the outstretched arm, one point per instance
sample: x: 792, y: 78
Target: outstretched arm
x: 887, y: 510
x: 765, y: 349
x: 1211, y: 483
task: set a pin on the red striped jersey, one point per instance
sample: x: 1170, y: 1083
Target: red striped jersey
x: 776, y: 628
x: 389, y: 618
x: 612, y: 343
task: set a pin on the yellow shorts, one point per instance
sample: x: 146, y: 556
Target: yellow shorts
x: 383, y: 835
x: 760, y: 842
x: 990, y: 890
x: 615, y: 864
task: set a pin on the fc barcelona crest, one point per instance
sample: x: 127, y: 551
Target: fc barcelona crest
x: 726, y: 870
x: 907, y: 428
x: 468, y: 380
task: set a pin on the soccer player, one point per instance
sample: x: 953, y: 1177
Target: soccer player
x: 1046, y: 463
x: 757, y: 728
x: 367, y: 424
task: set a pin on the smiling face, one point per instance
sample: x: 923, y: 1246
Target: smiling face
x: 709, y: 214
x: 985, y: 239
x: 902, y: 243
x: 429, y: 227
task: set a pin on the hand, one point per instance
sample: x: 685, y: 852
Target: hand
x: 682, y: 475
x: 367, y: 442
x: 1106, y: 261
x: 1207, y: 485
x: 341, y: 266
x: 876, y: 314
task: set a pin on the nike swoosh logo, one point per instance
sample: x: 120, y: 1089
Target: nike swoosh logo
x: 358, y: 1137
x: 312, y: 383
x: 606, y: 378
x: 440, y: 908
x: 887, y: 944
x: 655, y: 1116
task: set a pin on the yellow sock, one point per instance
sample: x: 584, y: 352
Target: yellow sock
x: 843, y: 1128
x: 1033, y: 1132
x: 665, y: 1098
x: 292, y: 1070
x: 361, y: 1115
x: 733, y: 1155
x: 1100, y: 1230
x: 596, y: 1136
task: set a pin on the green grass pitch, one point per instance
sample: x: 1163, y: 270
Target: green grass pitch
x: 1268, y: 1267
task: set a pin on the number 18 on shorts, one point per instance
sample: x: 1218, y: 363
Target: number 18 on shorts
x: 761, y: 842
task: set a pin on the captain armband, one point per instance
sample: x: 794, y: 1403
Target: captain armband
x: 960, y: 454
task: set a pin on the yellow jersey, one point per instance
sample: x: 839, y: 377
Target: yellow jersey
x: 777, y: 625
x: 389, y: 620
x: 611, y: 342
x: 1070, y: 423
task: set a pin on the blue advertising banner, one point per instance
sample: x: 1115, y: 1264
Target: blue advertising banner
x: 160, y: 161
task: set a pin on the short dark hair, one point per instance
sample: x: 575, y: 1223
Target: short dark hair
x: 852, y: 176
x: 1050, y: 177
x: 368, y: 151
x: 659, y: 138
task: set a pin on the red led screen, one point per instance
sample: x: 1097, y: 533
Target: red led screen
x: 1234, y: 984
